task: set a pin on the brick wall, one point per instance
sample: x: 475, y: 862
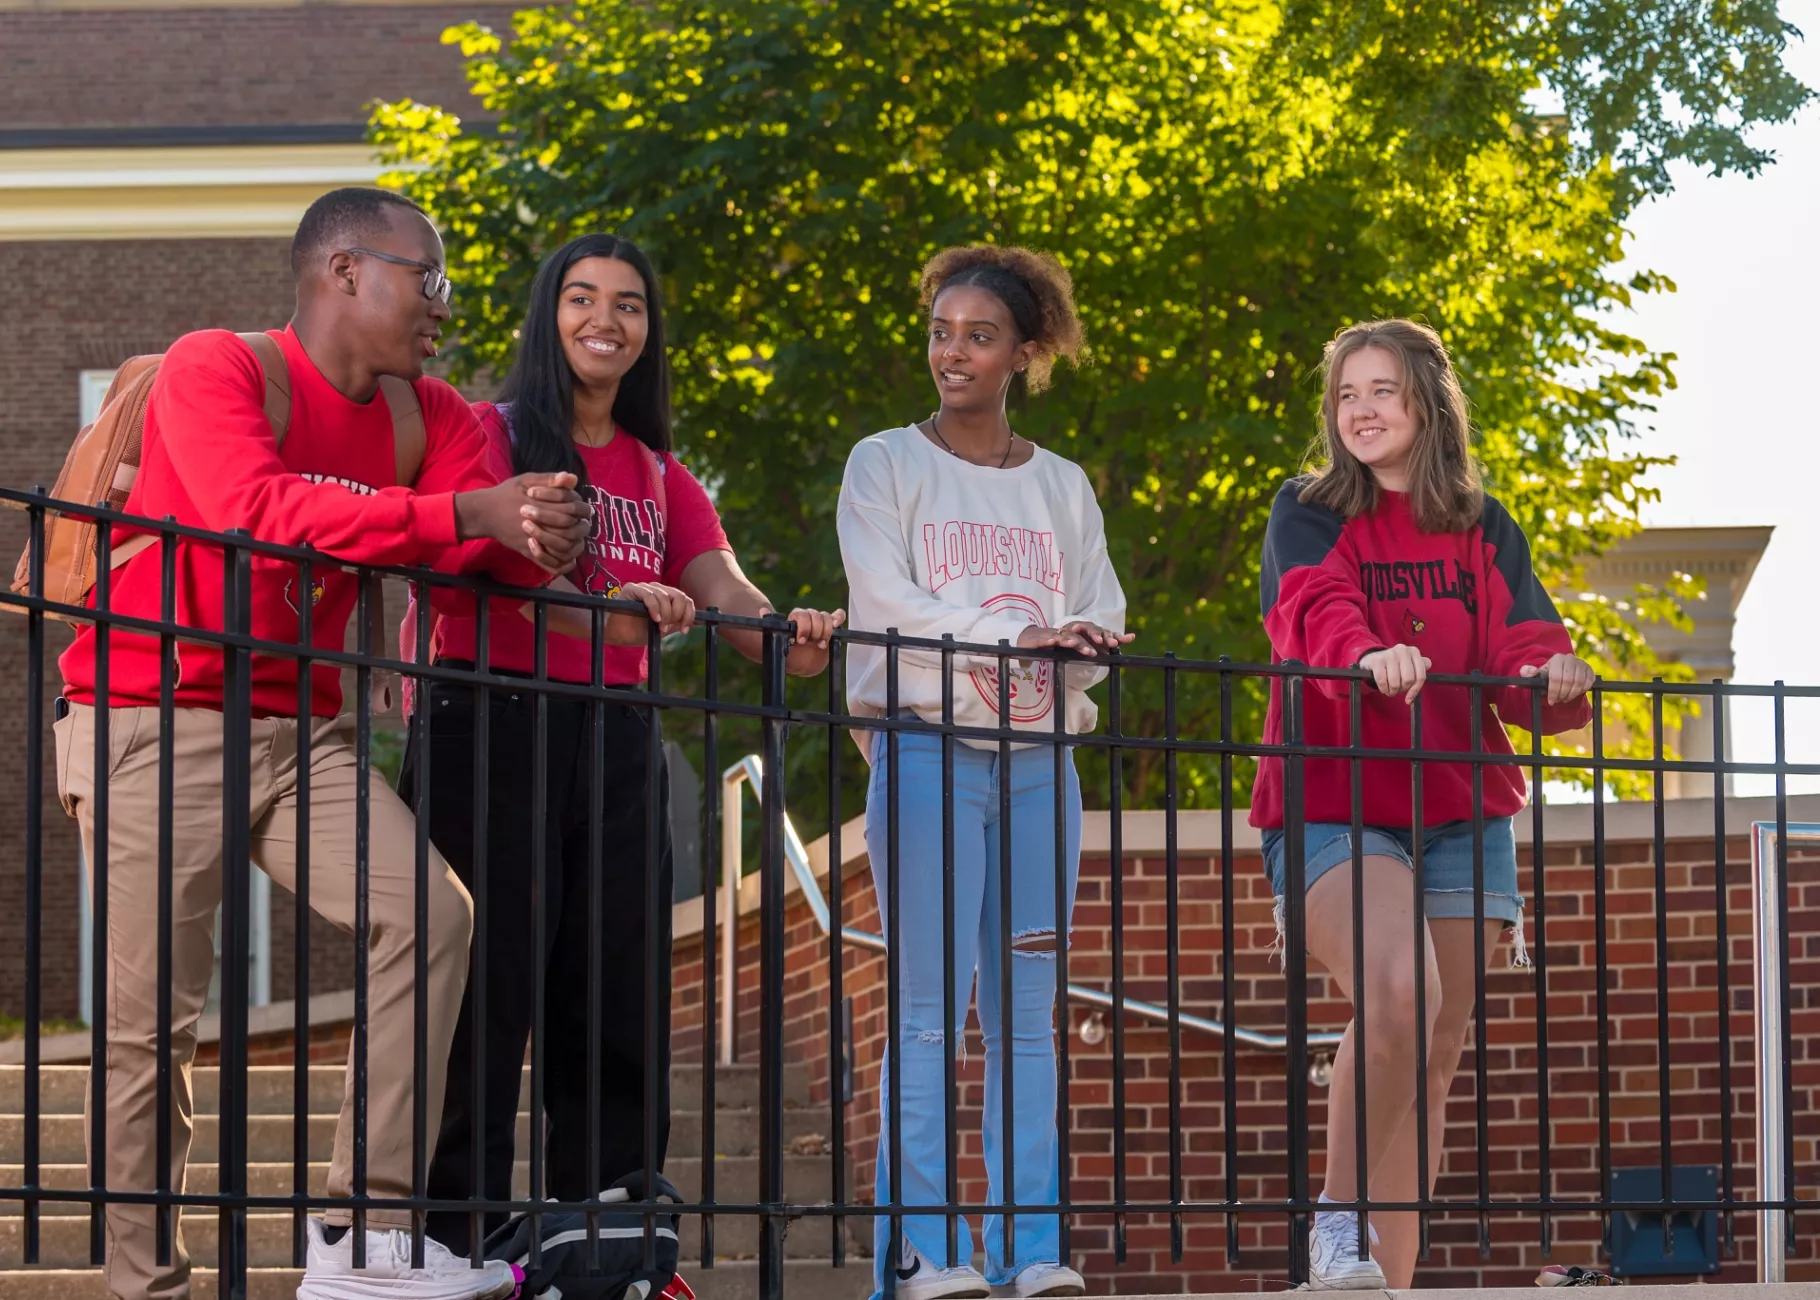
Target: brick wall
x: 211, y: 67
x: 1260, y: 1118
x: 93, y: 305
x: 87, y: 306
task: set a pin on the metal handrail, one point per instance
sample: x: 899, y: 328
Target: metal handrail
x: 749, y: 771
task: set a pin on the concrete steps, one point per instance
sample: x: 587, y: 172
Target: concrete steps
x: 270, y: 1137
x: 63, y: 1239
x: 63, y: 1089
x: 808, y: 1180
x: 63, y: 1271
x: 727, y: 1280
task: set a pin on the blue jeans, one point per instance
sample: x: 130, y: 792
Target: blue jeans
x: 1447, y: 881
x: 979, y: 937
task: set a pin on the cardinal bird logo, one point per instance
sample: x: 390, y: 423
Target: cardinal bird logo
x: 1413, y: 625
x: 290, y: 593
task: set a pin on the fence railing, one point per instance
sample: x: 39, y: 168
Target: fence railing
x: 116, y: 853
x: 749, y: 773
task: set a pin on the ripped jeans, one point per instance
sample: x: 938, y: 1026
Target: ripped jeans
x: 979, y: 942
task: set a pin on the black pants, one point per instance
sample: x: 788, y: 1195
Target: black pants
x: 512, y: 957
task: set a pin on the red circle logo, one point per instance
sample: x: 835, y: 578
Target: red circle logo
x: 1032, y: 681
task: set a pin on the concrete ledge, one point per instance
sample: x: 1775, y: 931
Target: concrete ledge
x: 273, y: 1283
x: 89, y: 1284
x: 1708, y: 1291
x: 1198, y: 833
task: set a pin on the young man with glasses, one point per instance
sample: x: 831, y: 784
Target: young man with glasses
x: 372, y: 297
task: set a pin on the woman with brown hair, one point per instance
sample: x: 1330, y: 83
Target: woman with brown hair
x: 1393, y: 559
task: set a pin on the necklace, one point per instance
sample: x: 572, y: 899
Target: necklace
x: 935, y: 427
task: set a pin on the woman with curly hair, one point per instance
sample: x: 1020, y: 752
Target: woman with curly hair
x: 957, y: 525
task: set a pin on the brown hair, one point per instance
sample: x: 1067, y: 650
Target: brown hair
x: 1445, y: 494
x: 1035, y: 289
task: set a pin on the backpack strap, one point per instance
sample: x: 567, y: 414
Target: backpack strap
x: 277, y: 413
x: 659, y: 492
x: 410, y: 439
x: 277, y: 382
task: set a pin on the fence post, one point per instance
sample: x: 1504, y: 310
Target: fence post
x: 771, y: 980
x: 34, y: 880
x: 1295, y: 971
x: 714, y: 862
x: 236, y: 887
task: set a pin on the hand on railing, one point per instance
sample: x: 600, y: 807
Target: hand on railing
x: 815, y: 628
x: 1569, y: 677
x: 1398, y: 669
x: 1079, y: 636
x: 670, y: 609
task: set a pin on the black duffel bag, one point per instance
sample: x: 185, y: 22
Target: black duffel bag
x: 563, y: 1273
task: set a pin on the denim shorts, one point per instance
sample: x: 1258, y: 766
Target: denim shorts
x: 1446, y: 862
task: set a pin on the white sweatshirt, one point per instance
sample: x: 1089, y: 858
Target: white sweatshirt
x: 936, y: 545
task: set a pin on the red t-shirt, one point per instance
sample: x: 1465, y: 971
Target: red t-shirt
x: 651, y: 519
x: 210, y: 461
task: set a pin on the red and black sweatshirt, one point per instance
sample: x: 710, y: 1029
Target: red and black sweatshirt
x: 1336, y: 589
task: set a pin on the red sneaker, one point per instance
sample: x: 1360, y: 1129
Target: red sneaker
x: 677, y: 1290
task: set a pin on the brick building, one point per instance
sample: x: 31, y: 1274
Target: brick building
x: 154, y: 158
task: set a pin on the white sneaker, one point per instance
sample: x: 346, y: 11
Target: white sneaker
x: 1333, y: 1255
x: 918, y: 1279
x: 330, y: 1273
x: 1045, y: 1279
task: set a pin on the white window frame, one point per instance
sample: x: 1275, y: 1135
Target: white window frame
x: 91, y: 387
x: 260, y: 945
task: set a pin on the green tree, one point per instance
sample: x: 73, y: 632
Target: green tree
x: 1230, y: 181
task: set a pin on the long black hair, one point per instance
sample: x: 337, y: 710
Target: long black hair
x: 541, y: 387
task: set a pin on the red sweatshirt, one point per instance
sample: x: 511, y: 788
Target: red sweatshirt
x: 1335, y: 589
x: 210, y: 461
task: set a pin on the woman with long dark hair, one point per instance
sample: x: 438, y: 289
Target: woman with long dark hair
x: 590, y: 392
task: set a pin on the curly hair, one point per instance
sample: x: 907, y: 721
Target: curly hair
x: 1035, y: 289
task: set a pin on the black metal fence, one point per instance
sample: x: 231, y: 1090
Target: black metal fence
x: 775, y: 721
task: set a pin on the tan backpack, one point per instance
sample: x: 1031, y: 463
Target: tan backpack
x: 103, y: 463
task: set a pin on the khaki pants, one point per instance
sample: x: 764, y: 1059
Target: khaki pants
x: 132, y: 945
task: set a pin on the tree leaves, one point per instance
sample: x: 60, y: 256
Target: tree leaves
x: 1230, y: 183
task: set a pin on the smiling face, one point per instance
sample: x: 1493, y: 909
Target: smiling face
x: 1373, y: 415
x: 974, y: 349
x: 602, y: 318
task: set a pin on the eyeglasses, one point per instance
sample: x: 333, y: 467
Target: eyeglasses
x: 436, y: 284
